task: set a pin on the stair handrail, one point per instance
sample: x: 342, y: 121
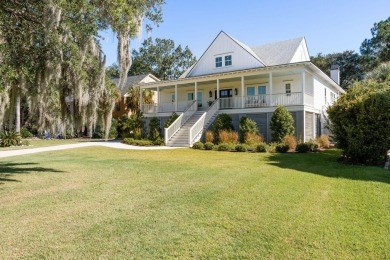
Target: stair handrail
x: 198, y: 127
x: 180, y: 121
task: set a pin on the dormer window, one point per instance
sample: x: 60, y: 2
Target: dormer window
x: 228, y: 60
x: 218, y: 62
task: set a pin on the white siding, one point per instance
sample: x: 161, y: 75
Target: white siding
x: 301, y: 54
x: 222, y: 46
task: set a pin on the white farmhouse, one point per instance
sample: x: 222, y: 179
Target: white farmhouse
x: 238, y: 80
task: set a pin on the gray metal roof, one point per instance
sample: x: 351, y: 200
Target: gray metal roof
x: 131, y: 80
x: 277, y: 53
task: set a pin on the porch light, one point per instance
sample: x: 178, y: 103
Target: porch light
x: 210, y: 93
x: 235, y: 91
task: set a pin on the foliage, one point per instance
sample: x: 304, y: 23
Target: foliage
x: 98, y: 132
x: 132, y: 100
x: 361, y: 122
x: 170, y: 120
x: 132, y: 141
x: 208, y: 146
x: 323, y: 141
x: 377, y: 49
x: 154, y: 129
x: 262, y: 148
x: 302, y: 148
x: 161, y: 58
x: 209, y: 136
x: 228, y: 137
x: 272, y: 147
x: 112, y: 71
x: 159, y: 141
x: 241, y: 148
x: 24, y: 133
x: 224, y: 147
x: 253, y: 139
x: 9, y: 138
x: 380, y: 73
x: 222, y: 122
x: 247, y: 125
x: 282, y: 148
x: 291, y: 141
x: 282, y: 124
x: 26, y: 142
x: 198, y: 145
x: 131, y: 126
x: 351, y: 66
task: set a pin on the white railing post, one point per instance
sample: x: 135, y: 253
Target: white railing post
x: 242, y: 92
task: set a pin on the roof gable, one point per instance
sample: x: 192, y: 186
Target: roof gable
x: 242, y: 57
x: 283, y: 52
x: 131, y: 80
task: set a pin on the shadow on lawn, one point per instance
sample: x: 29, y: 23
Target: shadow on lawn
x: 8, y: 170
x: 325, y: 164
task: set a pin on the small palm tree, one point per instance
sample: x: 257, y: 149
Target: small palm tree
x: 133, y: 98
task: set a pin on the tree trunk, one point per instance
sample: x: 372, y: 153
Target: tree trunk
x: 17, y: 112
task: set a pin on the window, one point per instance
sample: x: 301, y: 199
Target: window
x: 228, y: 60
x: 218, y: 62
x: 190, y: 96
x: 250, y: 91
x: 173, y: 98
x: 262, y: 90
x: 288, y: 89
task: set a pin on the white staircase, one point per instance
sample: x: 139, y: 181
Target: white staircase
x: 181, y: 137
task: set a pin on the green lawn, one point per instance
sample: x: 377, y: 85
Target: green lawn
x: 44, y: 143
x: 98, y: 202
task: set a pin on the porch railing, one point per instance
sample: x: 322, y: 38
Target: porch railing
x: 197, y: 129
x: 180, y: 121
x: 287, y: 99
x: 257, y: 101
x: 230, y: 102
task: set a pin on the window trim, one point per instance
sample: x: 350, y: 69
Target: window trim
x: 288, y: 89
x: 228, y: 60
x: 218, y: 60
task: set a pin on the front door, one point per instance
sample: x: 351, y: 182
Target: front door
x: 224, y: 93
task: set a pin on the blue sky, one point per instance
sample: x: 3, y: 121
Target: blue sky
x: 328, y: 25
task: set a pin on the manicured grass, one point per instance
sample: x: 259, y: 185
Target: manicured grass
x: 98, y: 202
x: 45, y: 143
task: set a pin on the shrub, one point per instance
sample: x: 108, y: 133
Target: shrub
x: 272, y: 147
x: 26, y: 142
x: 241, y: 148
x: 131, y: 126
x: 170, y: 120
x: 198, y: 146
x: 228, y: 137
x: 159, y: 141
x: 154, y: 129
x: 133, y: 141
x: 302, y: 148
x: 222, y: 122
x: 282, y: 148
x: 253, y: 139
x: 323, y: 141
x: 209, y: 136
x: 282, y: 124
x: 291, y: 141
x: 313, y: 146
x: 208, y: 146
x: 261, y: 148
x: 360, y: 122
x: 223, y: 147
x: 247, y: 125
x: 24, y: 133
x: 9, y: 138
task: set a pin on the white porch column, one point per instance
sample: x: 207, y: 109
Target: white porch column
x: 242, y: 92
x: 196, y: 92
x: 218, y: 92
x: 176, y: 98
x: 270, y: 88
x: 158, y: 99
x: 303, y: 87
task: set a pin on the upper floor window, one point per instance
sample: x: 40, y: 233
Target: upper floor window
x: 288, y: 89
x: 218, y: 62
x: 228, y: 60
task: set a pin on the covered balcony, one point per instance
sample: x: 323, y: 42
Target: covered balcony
x: 293, y: 87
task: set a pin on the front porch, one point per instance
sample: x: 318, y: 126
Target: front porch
x: 286, y: 87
